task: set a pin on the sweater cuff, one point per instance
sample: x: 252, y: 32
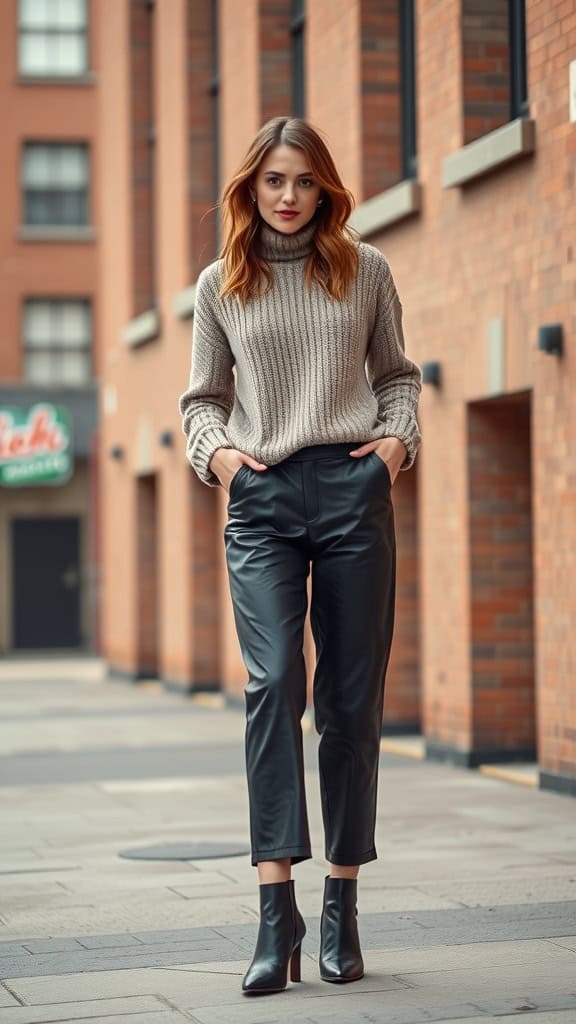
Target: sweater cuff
x: 405, y: 428
x: 206, y: 444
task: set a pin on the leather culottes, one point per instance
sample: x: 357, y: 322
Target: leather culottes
x: 322, y: 508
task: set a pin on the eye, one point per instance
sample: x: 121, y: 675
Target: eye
x: 307, y: 182
x: 272, y: 179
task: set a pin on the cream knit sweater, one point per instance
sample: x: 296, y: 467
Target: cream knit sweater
x: 295, y: 367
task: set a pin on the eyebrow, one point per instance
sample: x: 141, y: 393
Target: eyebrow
x: 279, y: 174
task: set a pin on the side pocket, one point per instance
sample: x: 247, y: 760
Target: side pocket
x: 383, y: 465
x: 234, y: 480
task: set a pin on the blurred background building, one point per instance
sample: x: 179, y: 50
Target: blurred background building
x: 48, y: 304
x: 453, y: 122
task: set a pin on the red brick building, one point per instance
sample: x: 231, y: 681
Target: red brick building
x: 49, y: 363
x: 451, y: 123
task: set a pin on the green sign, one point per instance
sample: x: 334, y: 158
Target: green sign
x: 35, y: 445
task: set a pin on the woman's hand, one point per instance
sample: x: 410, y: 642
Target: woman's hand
x: 390, y: 449
x: 226, y: 462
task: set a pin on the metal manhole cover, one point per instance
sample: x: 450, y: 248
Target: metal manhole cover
x: 184, y: 851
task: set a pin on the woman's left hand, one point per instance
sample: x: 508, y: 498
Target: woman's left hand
x: 390, y: 449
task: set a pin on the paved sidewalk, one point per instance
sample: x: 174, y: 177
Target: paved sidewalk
x: 468, y: 915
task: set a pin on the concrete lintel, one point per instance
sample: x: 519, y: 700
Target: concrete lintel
x: 55, y: 233
x: 387, y: 208
x: 83, y: 78
x: 494, y: 150
x: 142, y: 328
x: 184, y: 302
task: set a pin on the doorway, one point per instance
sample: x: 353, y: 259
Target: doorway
x: 501, y: 579
x: 46, y: 575
x: 147, y: 576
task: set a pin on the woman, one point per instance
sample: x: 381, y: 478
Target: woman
x: 302, y: 405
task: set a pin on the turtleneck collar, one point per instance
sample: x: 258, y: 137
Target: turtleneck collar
x: 276, y: 246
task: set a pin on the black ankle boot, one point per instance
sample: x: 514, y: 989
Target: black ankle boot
x: 340, y: 953
x: 280, y: 935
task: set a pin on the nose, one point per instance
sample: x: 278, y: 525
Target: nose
x: 289, y: 195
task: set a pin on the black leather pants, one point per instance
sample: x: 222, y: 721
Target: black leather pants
x: 319, y: 506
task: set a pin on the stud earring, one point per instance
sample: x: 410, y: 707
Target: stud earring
x: 319, y: 203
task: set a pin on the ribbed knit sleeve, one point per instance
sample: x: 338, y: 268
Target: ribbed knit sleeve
x: 206, y: 404
x: 395, y: 380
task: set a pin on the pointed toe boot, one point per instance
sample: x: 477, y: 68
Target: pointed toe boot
x: 340, y: 953
x: 279, y: 942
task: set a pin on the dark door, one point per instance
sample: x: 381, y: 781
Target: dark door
x: 46, y: 582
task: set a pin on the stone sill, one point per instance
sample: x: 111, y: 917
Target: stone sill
x: 510, y: 142
x: 184, y: 303
x: 143, y: 328
x: 85, y: 78
x: 48, y: 233
x: 387, y: 208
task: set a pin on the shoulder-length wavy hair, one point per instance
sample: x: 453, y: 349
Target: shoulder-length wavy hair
x: 333, y: 262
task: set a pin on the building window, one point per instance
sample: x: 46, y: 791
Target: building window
x: 494, y: 65
x: 408, y: 89
x: 203, y: 96
x: 58, y: 342
x: 55, y: 182
x: 215, y: 100
x: 53, y: 37
x: 519, y: 106
x: 388, y: 94
x: 276, y: 60
x: 298, y: 58
x: 143, y: 142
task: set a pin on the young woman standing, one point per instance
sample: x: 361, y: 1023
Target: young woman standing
x: 302, y: 405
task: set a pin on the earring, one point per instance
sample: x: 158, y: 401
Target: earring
x: 319, y: 203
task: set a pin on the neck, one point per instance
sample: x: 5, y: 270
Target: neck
x: 278, y: 246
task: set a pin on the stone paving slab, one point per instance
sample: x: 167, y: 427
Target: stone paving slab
x: 6, y: 997
x: 486, y: 927
x: 567, y: 940
x: 58, y: 1014
x: 42, y: 768
x: 135, y: 1008
x: 372, y: 1009
x: 89, y: 918
x: 380, y: 996
x: 185, y: 990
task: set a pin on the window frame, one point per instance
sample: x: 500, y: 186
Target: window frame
x: 407, y: 47
x: 58, y: 349
x: 49, y: 31
x: 519, y: 102
x: 298, y: 59
x: 85, y: 192
x: 216, y: 117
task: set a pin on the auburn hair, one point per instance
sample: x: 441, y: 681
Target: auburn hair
x: 333, y: 262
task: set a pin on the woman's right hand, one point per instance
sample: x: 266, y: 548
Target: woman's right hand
x: 226, y: 462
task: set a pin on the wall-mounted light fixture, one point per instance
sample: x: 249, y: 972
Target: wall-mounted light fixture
x: 117, y: 452
x: 166, y: 438
x: 431, y: 374
x: 550, y: 339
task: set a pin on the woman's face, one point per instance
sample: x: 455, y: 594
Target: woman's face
x: 284, y: 182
